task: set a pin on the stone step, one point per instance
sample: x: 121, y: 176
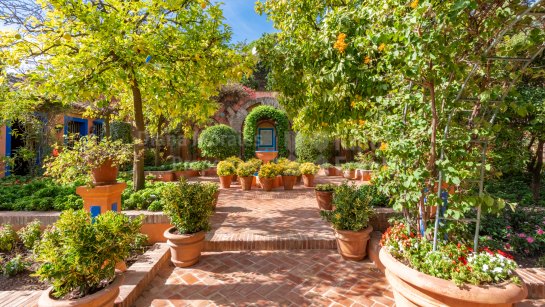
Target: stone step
x: 254, y: 242
x: 534, y: 278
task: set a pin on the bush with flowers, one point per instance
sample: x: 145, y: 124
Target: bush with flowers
x: 452, y: 261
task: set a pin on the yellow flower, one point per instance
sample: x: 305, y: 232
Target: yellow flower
x: 325, y: 124
x: 362, y: 122
x: 340, y: 43
x: 384, y: 168
x: 353, y: 104
x: 367, y: 60
x: 338, y: 216
x: 414, y: 4
x: 203, y: 5
x: 383, y: 146
x: 381, y: 47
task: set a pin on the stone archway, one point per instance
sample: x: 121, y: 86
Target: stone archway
x: 278, y: 118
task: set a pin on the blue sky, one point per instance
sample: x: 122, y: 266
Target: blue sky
x: 244, y: 21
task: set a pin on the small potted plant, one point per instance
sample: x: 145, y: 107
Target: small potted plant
x: 349, y: 170
x: 78, y: 256
x: 236, y: 162
x: 324, y: 196
x: 189, y: 207
x: 201, y: 167
x: 367, y: 165
x: 308, y: 171
x: 290, y: 172
x: 96, y: 160
x: 328, y: 168
x: 226, y: 170
x: 267, y: 175
x: 245, y: 172
x: 180, y: 170
x: 350, y: 219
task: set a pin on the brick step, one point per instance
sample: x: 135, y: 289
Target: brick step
x: 255, y: 242
x: 534, y: 278
x: 531, y: 303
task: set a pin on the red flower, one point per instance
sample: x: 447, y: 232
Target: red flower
x: 463, y: 260
x: 506, y: 255
x: 486, y: 249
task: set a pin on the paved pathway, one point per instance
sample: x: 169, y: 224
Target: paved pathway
x: 275, y: 251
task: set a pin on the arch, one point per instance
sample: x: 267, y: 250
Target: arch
x: 281, y: 121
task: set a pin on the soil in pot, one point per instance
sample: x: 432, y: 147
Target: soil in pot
x: 246, y: 183
x: 289, y: 182
x: 308, y: 180
x: 185, y: 249
x: 105, y: 174
x: 267, y: 183
x: 225, y: 181
x: 352, y: 245
x: 325, y: 200
x: 104, y: 297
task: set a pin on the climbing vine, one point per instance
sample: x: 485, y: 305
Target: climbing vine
x: 250, y: 129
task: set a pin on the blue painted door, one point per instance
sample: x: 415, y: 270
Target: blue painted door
x: 266, y: 139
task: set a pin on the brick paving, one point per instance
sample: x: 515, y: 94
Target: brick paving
x: 270, y: 278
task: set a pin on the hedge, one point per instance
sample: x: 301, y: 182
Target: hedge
x: 250, y: 129
x: 316, y: 148
x: 219, y: 142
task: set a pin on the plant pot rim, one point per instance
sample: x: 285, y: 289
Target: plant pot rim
x: 366, y: 230
x: 168, y: 234
x: 506, y: 292
x: 46, y: 299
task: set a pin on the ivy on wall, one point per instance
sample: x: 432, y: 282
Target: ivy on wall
x: 250, y: 129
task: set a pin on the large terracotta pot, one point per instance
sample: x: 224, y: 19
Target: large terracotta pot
x: 308, y: 180
x: 267, y: 183
x: 180, y: 174
x: 366, y: 175
x: 105, y: 174
x: 325, y: 200
x: 266, y: 156
x: 413, y: 288
x: 352, y: 245
x: 289, y: 182
x: 104, y: 298
x: 185, y: 249
x: 164, y: 176
x: 349, y: 174
x: 225, y: 181
x: 330, y: 171
x: 246, y: 182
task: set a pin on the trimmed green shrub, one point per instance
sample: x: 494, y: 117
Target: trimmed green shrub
x: 353, y: 210
x: 225, y: 168
x: 316, y: 148
x: 148, y: 198
x: 309, y: 168
x: 246, y: 169
x: 30, y: 234
x: 121, y: 131
x: 250, y: 129
x: 219, y: 142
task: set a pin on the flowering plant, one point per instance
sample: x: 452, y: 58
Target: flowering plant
x: 269, y: 170
x: 291, y: 169
x: 309, y: 168
x: 456, y: 262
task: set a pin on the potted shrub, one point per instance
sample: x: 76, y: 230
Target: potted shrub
x: 350, y: 220
x: 162, y: 173
x: 236, y: 162
x: 180, y: 170
x: 78, y: 256
x: 324, y: 196
x: 201, y: 167
x: 290, y: 172
x: 245, y: 172
x: 97, y: 161
x: 349, y: 170
x: 328, y: 168
x: 225, y: 171
x: 308, y: 170
x: 267, y: 175
x: 189, y: 207
x: 214, y: 189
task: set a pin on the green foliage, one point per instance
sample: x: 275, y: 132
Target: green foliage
x: 328, y: 187
x: 246, y: 169
x: 200, y: 165
x: 326, y: 165
x: 189, y: 206
x: 30, y: 234
x: 79, y: 253
x: 350, y: 166
x: 149, y: 198
x: 352, y: 209
x: 121, y: 131
x: 15, y: 266
x: 291, y: 169
x: 235, y: 160
x: 164, y: 167
x: 225, y: 168
x: 514, y: 188
x: 378, y: 199
x: 309, y: 168
x: 39, y: 194
x: 250, y: 129
x: 255, y: 162
x: 315, y: 148
x: 8, y: 237
x: 219, y: 142
x: 269, y: 170
x: 86, y: 154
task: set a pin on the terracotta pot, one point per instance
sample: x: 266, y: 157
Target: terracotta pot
x: 349, y: 174
x: 105, y: 297
x: 289, y: 182
x: 413, y: 288
x: 366, y: 175
x: 185, y: 249
x: 325, y: 200
x: 358, y: 174
x: 105, y: 174
x: 308, y: 180
x: 246, y: 182
x: 235, y: 178
x: 180, y: 174
x: 267, y: 183
x: 191, y: 173
x: 266, y: 156
x: 225, y: 181
x: 352, y: 245
x: 164, y: 176
x: 331, y: 171
x: 202, y: 173
x: 373, y: 249
x: 216, y: 198
x: 213, y: 171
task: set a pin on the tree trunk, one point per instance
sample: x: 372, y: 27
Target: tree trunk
x: 139, y: 136
x: 536, y: 171
x: 158, y: 141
